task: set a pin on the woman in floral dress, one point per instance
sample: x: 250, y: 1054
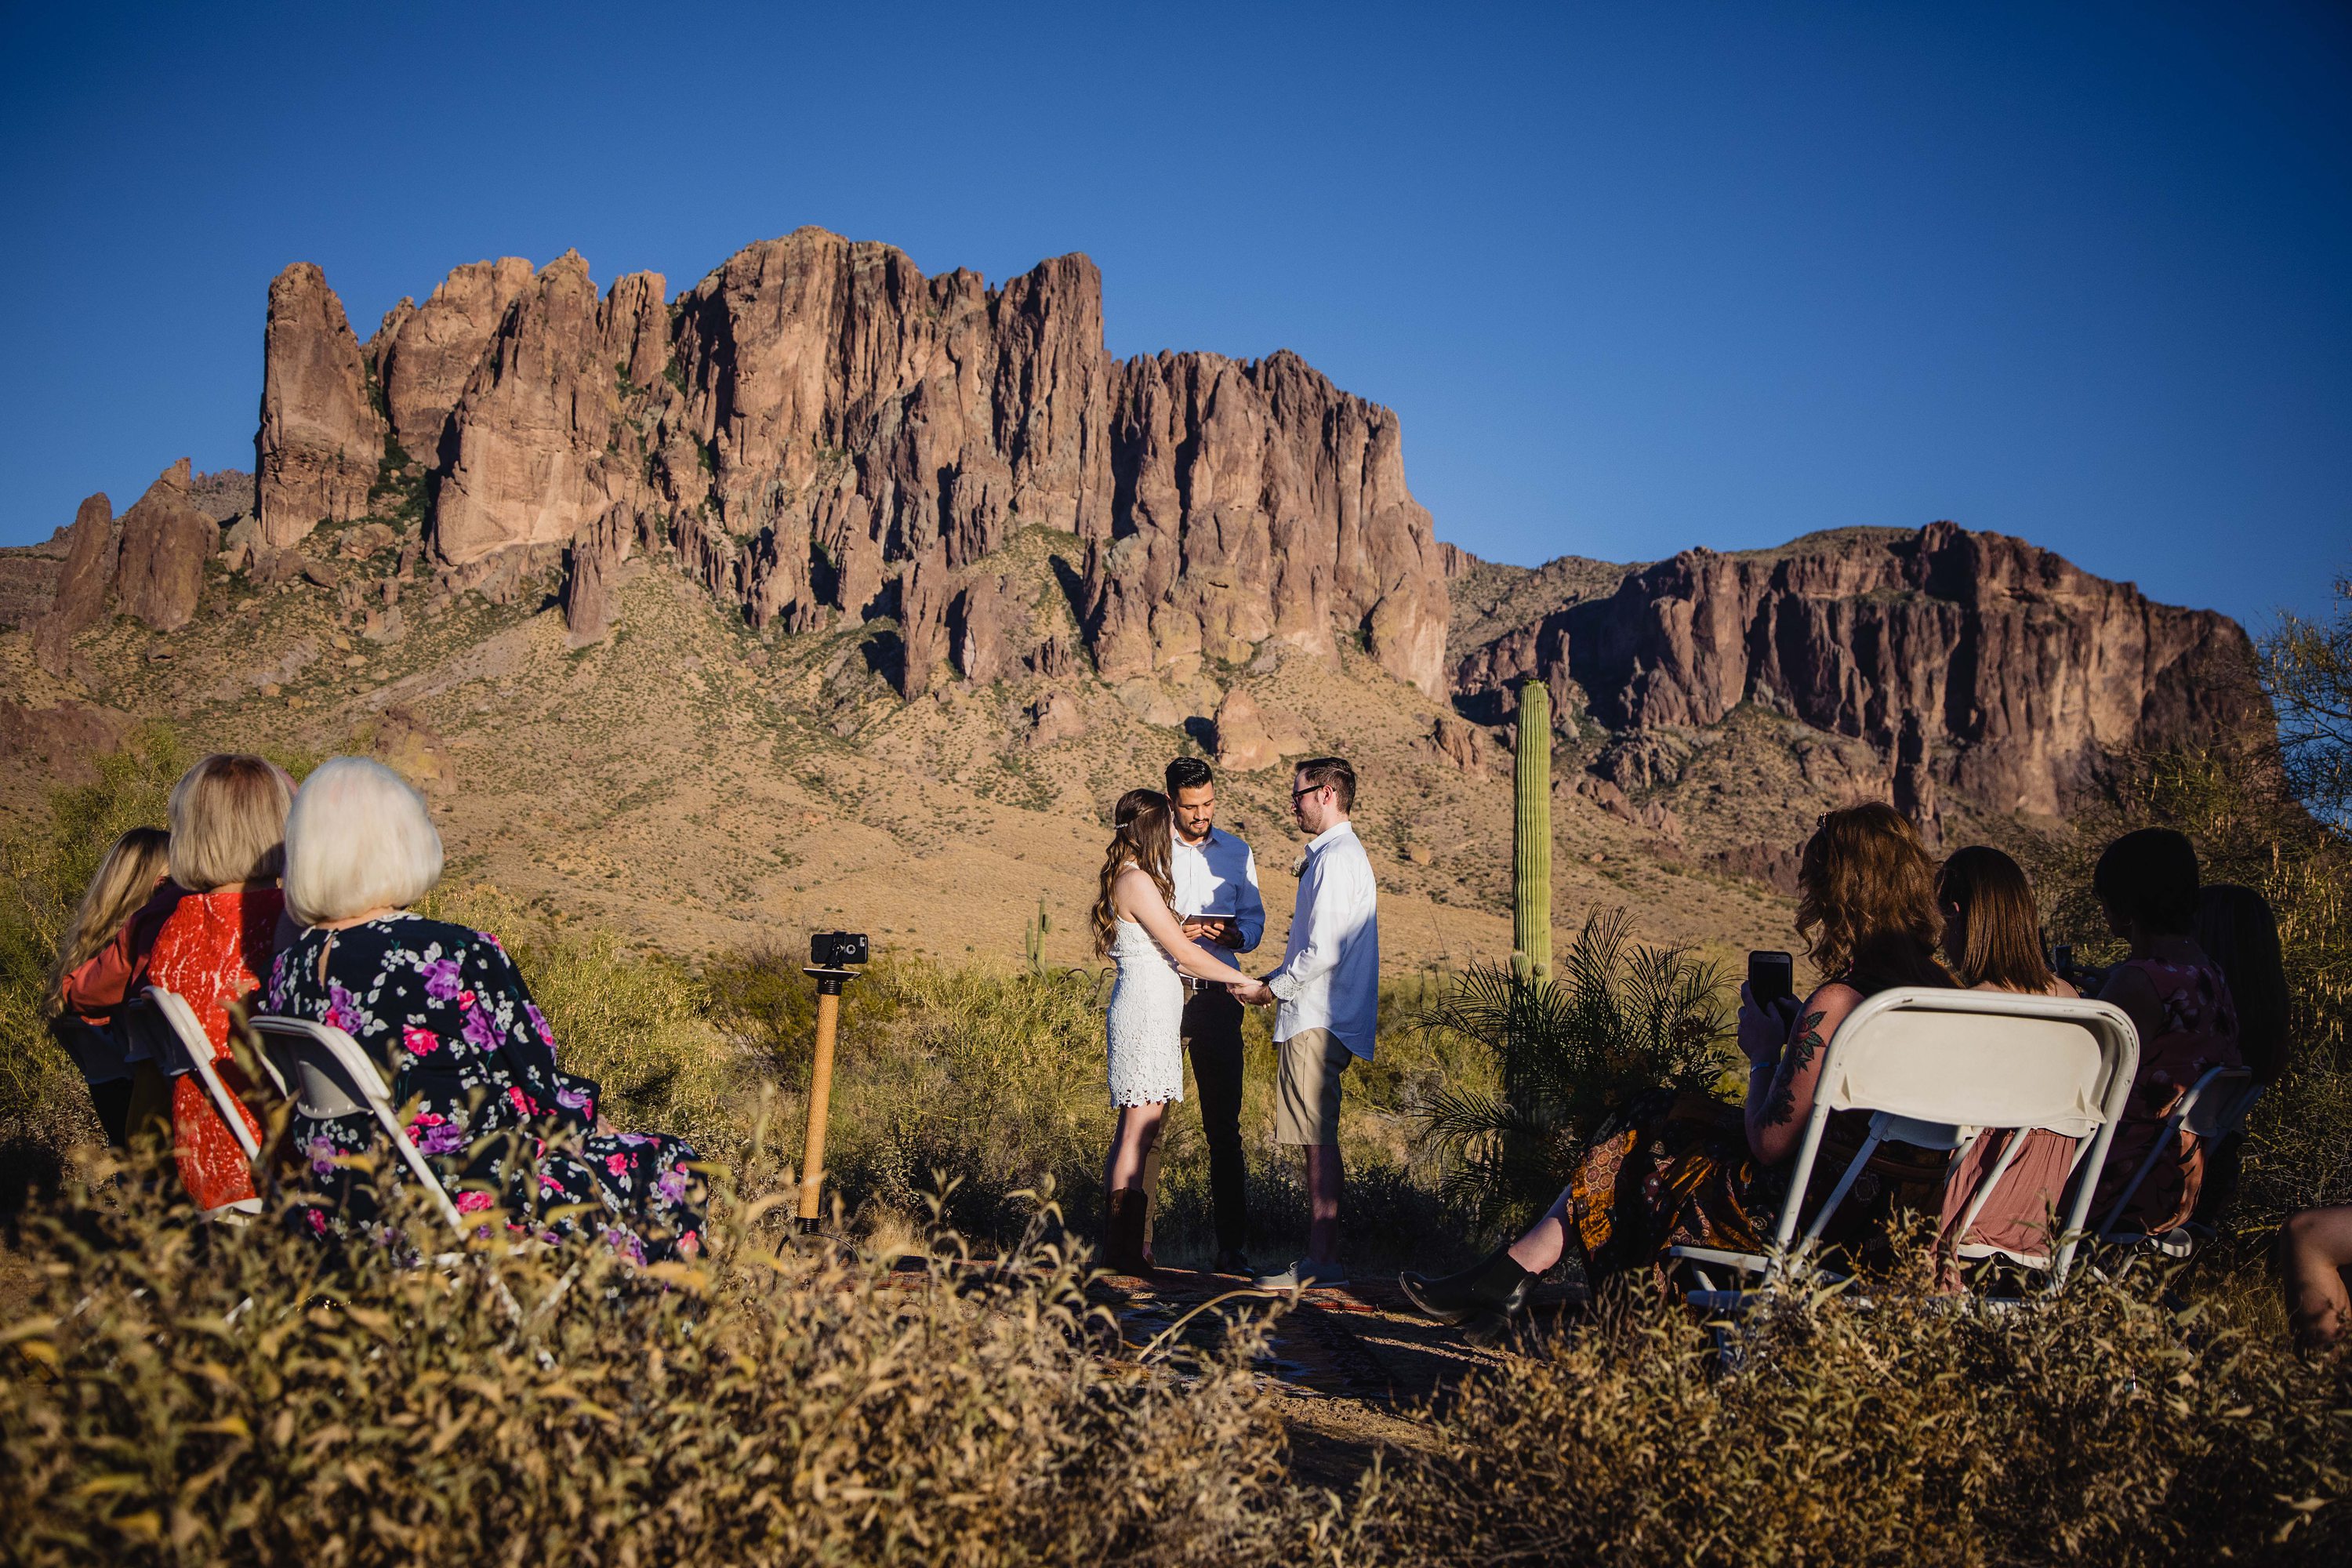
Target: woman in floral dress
x: 445, y: 1014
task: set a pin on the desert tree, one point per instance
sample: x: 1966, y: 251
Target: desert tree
x: 2306, y: 672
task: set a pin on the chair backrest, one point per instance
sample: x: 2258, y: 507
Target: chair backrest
x: 2222, y: 1098
x: 327, y: 1074
x: 2215, y: 1105
x: 1961, y: 1059
x: 183, y: 1049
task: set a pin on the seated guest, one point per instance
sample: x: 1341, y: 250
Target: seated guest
x: 101, y: 954
x: 2177, y: 998
x: 1992, y: 941
x: 2236, y: 929
x: 228, y: 832
x: 446, y: 1015
x: 1693, y: 1172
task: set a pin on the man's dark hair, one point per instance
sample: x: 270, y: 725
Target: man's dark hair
x: 2150, y: 876
x: 1317, y: 772
x: 1187, y: 773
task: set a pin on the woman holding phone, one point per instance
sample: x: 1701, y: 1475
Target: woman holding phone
x: 1672, y: 1171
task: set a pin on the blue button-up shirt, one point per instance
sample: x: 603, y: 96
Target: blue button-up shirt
x: 1218, y: 876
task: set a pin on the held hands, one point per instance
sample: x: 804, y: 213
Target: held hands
x: 1255, y: 993
x: 1763, y: 1031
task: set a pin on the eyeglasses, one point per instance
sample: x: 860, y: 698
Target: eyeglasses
x: 1298, y: 794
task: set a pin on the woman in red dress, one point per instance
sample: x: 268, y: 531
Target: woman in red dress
x: 229, y: 845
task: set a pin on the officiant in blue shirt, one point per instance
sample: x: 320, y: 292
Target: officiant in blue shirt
x: 1215, y: 878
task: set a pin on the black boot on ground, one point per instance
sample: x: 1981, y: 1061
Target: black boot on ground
x: 1122, y: 1250
x: 1494, y: 1284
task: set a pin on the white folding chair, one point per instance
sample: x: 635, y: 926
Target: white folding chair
x: 323, y: 1071
x: 1937, y: 1068
x: 326, y: 1074
x: 178, y: 1044
x: 2216, y: 1105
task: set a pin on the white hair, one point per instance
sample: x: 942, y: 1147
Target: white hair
x: 359, y: 839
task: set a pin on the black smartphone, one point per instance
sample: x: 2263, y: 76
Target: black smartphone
x: 2062, y: 959
x: 1770, y: 976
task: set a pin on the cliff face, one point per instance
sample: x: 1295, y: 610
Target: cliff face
x: 818, y: 434
x: 1970, y: 661
x: 821, y: 431
x: 1258, y: 501
x: 322, y: 440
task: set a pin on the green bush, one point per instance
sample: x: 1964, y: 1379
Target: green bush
x: 632, y: 1021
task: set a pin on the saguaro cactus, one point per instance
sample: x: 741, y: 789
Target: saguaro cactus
x: 1532, y: 836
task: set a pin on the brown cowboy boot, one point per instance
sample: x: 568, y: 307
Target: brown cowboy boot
x: 1122, y: 1250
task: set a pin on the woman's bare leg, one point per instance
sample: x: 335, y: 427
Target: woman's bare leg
x: 1131, y: 1145
x: 2314, y: 1248
x: 1540, y: 1247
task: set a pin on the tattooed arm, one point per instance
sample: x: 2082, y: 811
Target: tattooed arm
x: 1778, y: 1105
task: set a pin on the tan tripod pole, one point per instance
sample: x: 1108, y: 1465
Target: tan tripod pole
x: 828, y: 1018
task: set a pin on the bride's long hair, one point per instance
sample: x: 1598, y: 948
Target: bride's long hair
x: 1142, y: 826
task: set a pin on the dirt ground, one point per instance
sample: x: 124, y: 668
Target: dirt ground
x: 1351, y: 1371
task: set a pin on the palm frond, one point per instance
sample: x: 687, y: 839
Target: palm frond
x: 1619, y: 1017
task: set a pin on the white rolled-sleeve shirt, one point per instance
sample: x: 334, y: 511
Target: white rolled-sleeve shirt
x: 1330, y: 971
x: 1218, y: 877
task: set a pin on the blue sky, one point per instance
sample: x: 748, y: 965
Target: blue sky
x: 1635, y: 277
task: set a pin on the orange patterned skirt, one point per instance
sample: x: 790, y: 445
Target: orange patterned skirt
x: 212, y: 1167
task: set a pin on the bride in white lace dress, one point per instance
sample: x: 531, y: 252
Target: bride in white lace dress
x: 1136, y: 924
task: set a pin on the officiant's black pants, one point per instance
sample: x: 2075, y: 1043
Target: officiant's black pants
x: 1212, y: 1035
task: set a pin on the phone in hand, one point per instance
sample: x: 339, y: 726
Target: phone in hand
x: 1771, y: 976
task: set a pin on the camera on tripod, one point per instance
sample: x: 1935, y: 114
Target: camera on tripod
x: 837, y: 949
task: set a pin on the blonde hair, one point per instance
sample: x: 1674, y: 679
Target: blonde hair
x: 228, y: 822
x: 359, y: 839
x: 126, y: 880
x: 1143, y: 826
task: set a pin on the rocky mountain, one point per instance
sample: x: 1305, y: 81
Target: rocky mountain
x: 896, y: 486
x: 822, y: 434
x: 1972, y: 663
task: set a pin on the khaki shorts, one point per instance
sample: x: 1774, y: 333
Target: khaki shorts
x: 1307, y: 1088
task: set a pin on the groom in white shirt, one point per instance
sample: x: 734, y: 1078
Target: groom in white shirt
x: 1329, y: 985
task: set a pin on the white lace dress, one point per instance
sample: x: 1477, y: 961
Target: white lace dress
x: 1146, y: 1025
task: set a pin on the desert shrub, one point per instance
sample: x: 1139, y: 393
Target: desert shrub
x: 177, y: 1393
x: 994, y: 1080
x: 2098, y: 1429
x: 1621, y: 1018
x: 991, y: 1078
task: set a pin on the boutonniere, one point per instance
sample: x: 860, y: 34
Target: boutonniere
x: 1298, y: 866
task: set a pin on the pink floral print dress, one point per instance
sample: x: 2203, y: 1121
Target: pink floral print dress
x: 471, y: 1062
